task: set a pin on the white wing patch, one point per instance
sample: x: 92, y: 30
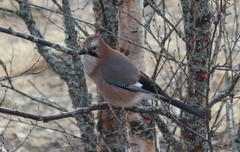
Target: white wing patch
x: 137, y: 84
x: 137, y: 87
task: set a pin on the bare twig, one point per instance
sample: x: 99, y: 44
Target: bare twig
x: 43, y: 101
x: 38, y: 40
x: 225, y: 92
x: 82, y: 110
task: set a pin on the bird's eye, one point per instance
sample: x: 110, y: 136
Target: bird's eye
x: 94, y: 48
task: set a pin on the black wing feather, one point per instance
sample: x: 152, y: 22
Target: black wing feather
x: 150, y: 85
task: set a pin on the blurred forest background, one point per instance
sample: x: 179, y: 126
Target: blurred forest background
x: 35, y: 81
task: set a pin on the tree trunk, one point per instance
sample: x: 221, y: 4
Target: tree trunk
x: 141, y: 137
x: 197, y: 30
x: 112, y: 131
x: 71, y: 72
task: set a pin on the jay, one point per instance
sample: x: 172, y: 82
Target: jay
x: 119, y: 81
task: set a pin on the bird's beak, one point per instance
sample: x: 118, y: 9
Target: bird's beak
x: 83, y: 51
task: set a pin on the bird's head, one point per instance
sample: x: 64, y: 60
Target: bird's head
x: 91, y: 46
x: 93, y: 51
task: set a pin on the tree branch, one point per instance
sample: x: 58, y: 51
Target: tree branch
x: 38, y: 40
x: 224, y: 93
x: 45, y: 118
x: 82, y: 110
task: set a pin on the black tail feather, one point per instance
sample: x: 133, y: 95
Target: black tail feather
x: 183, y: 106
x: 151, y: 86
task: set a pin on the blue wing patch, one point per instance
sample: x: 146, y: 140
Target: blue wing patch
x: 136, y: 87
x: 118, y: 84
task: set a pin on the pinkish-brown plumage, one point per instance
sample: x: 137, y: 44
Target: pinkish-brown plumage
x: 119, y: 81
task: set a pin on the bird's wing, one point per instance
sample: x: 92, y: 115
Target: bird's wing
x: 150, y: 85
x: 125, y: 75
x: 119, y: 70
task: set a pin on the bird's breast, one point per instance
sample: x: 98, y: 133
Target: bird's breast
x: 89, y: 63
x: 116, y: 96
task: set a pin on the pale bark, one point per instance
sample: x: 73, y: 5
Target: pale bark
x: 130, y: 23
x: 112, y: 132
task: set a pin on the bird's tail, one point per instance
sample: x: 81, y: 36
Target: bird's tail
x: 152, y: 87
x: 183, y: 106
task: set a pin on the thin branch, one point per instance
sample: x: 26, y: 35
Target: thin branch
x: 76, y: 23
x: 224, y: 93
x: 25, y: 139
x: 84, y: 110
x: 8, y: 10
x: 52, y: 117
x: 155, y: 7
x: 43, y: 101
x: 38, y: 40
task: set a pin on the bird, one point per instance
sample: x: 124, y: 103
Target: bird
x: 118, y: 79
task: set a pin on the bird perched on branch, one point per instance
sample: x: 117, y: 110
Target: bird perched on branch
x: 119, y: 81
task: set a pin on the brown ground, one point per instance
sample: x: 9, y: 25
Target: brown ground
x: 19, y: 55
